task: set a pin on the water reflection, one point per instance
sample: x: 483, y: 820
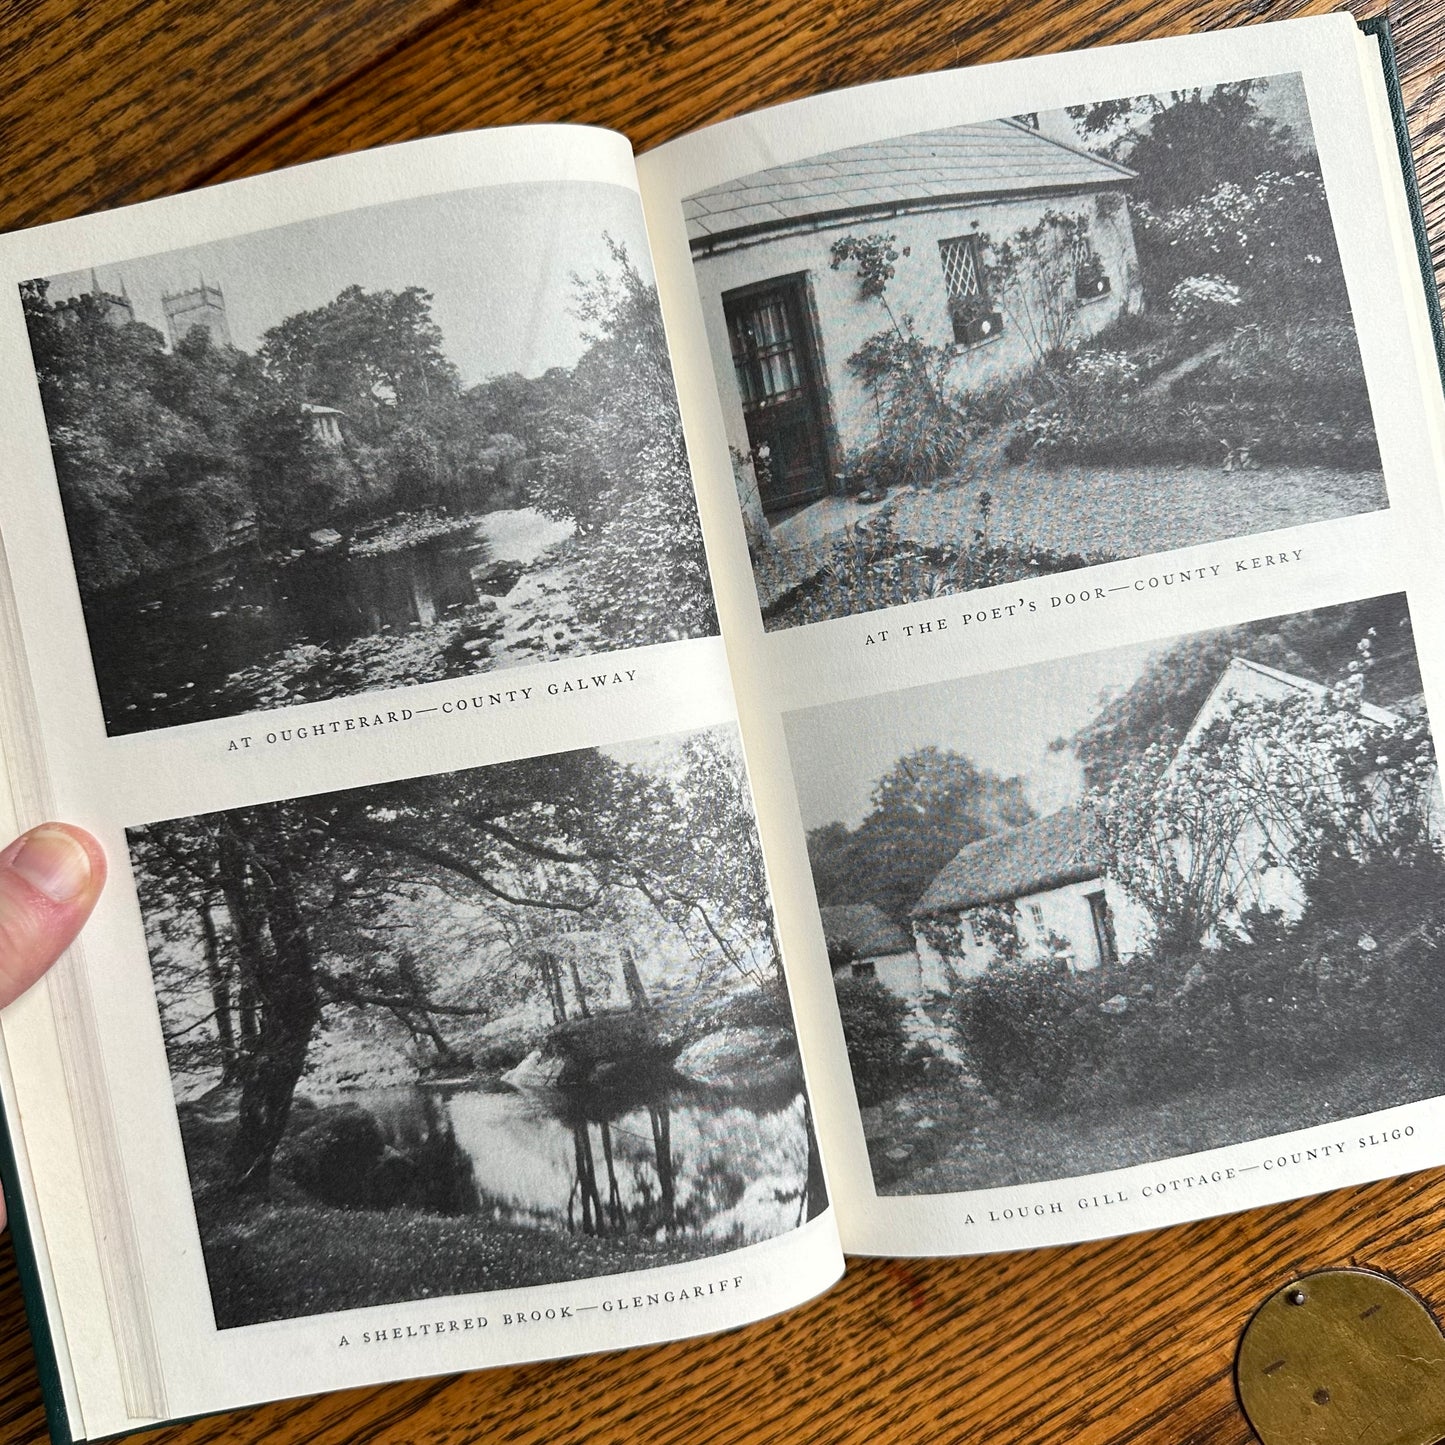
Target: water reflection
x: 677, y: 1162
x: 167, y: 650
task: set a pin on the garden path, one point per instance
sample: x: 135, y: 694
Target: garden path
x: 1129, y: 511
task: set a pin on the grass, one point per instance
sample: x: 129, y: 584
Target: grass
x: 1130, y: 511
x: 290, y: 1255
x: 957, y: 1138
x: 283, y: 1259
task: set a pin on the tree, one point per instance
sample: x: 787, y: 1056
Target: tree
x: 438, y: 900
x: 613, y: 460
x: 1197, y: 141
x: 1163, y: 701
x: 927, y: 806
x: 144, y: 442
x: 366, y: 353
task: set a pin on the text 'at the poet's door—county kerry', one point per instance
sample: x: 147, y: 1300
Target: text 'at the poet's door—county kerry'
x: 1086, y: 596
x: 390, y: 717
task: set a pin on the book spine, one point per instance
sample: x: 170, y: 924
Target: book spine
x: 57, y: 1417
x: 1379, y: 29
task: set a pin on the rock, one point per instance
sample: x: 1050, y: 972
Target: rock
x: 899, y: 1153
x: 536, y: 1072
x: 331, y: 1154
x: 738, y: 1058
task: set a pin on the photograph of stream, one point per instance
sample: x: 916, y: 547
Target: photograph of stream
x: 478, y: 1031
x: 412, y: 441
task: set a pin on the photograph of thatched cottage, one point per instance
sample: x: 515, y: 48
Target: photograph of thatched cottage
x: 1048, y: 883
x: 1221, y: 919
x: 958, y: 358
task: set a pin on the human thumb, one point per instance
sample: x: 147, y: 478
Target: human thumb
x: 50, y: 878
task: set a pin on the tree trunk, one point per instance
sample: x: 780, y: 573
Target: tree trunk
x: 290, y: 1011
x: 636, y: 993
x: 220, y: 987
x: 580, y: 991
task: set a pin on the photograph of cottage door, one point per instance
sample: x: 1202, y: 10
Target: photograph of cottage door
x: 775, y: 355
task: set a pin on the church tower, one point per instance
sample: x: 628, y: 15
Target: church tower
x: 114, y: 306
x: 203, y: 306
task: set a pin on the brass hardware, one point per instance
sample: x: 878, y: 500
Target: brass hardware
x: 1343, y: 1357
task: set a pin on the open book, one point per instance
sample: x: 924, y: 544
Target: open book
x: 860, y: 682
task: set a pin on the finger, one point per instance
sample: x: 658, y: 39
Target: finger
x: 50, y: 878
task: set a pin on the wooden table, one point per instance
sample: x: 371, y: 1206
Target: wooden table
x: 112, y: 101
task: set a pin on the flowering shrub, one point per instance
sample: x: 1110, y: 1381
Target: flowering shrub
x: 1202, y: 303
x: 1044, y: 430
x: 1102, y: 373
x: 1271, y: 237
x: 1311, y: 778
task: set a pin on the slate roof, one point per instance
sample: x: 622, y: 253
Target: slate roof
x: 1047, y: 853
x: 994, y: 158
x: 865, y: 926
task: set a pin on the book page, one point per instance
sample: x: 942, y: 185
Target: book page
x: 1070, y: 448
x: 433, y: 1017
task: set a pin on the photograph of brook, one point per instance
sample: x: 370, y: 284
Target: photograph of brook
x: 478, y: 1031
x: 970, y: 356
x: 412, y: 441
x: 1122, y: 907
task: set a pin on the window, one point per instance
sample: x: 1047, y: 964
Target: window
x: 1091, y: 281
x: 964, y: 278
x: 866, y: 969
x: 1037, y: 914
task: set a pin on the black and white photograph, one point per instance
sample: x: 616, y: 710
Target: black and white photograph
x: 412, y: 441
x: 478, y: 1031
x: 975, y: 355
x: 1122, y: 907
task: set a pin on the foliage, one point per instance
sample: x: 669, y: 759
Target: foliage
x: 1204, y: 303
x: 616, y: 463
x: 1174, y: 683
x: 1192, y: 141
x: 930, y: 803
x: 1025, y: 1025
x: 1033, y: 275
x: 1270, y: 235
x: 873, y: 567
x: 922, y: 425
x: 1305, y: 776
x: 423, y: 906
x: 1264, y: 394
x: 873, y: 1027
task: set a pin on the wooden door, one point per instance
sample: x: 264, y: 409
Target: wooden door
x: 776, y: 362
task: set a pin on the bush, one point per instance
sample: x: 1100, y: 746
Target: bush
x: 873, y: 1019
x: 1204, y: 304
x: 1025, y: 1028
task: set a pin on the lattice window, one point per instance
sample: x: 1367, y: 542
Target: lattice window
x: 962, y: 268
x: 964, y: 279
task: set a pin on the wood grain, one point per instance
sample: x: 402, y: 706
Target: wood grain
x: 1101, y: 1344
x: 104, y: 103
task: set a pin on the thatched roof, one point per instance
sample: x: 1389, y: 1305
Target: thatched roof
x: 865, y: 928
x: 1047, y: 853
